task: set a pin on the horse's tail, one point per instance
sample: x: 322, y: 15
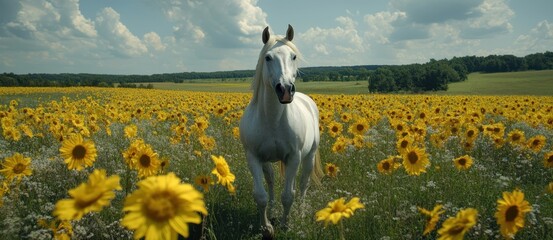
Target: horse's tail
x: 317, y: 174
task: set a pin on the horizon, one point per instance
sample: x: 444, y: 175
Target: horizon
x: 107, y: 37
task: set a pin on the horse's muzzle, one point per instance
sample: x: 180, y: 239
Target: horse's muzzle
x: 285, y: 92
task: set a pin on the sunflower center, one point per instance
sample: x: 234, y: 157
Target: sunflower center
x: 462, y: 161
x: 413, y: 157
x: 334, y: 129
x: 455, y: 230
x: 331, y: 169
x: 160, y: 206
x: 470, y: 133
x: 511, y: 213
x: 19, y: 168
x: 515, y: 137
x: 536, y: 142
x: 404, y: 143
x: 386, y: 166
x: 360, y: 127
x: 79, y: 152
x: 88, y: 199
x: 221, y: 170
x: 399, y: 128
x: 203, y: 181
x: 550, y: 159
x: 145, y: 160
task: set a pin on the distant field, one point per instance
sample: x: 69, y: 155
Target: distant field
x: 511, y: 83
x: 355, y: 87
x: 538, y: 83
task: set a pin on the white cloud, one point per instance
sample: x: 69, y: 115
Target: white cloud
x: 494, y: 18
x: 539, y: 39
x: 154, y: 41
x: 225, y: 23
x: 380, y: 25
x: 342, y: 42
x: 117, y: 36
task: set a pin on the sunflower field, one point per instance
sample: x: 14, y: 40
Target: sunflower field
x: 99, y: 163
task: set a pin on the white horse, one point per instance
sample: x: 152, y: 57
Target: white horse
x: 279, y: 124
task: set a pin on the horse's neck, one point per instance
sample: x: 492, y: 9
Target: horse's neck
x: 269, y: 106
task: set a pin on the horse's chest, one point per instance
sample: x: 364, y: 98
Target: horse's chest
x: 272, y: 146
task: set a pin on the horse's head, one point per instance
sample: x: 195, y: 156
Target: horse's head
x: 280, y: 68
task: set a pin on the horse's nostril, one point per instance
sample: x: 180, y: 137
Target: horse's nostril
x: 293, y: 89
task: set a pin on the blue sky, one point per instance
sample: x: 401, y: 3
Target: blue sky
x: 167, y: 36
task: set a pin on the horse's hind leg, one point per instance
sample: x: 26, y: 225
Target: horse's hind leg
x: 306, y: 168
x: 270, y: 180
x: 260, y: 195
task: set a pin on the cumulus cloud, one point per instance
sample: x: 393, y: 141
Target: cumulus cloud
x: 381, y: 25
x: 225, y: 23
x: 118, y: 37
x: 154, y: 41
x: 343, y: 42
x: 538, y: 39
x: 494, y: 17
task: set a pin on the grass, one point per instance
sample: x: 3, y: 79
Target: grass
x: 511, y: 83
x: 391, y: 201
x: 354, y: 87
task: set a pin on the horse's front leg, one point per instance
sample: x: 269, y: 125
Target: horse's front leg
x: 269, y: 173
x: 287, y: 197
x: 260, y: 195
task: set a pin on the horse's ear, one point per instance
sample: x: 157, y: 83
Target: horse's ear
x: 266, y: 35
x: 290, y: 33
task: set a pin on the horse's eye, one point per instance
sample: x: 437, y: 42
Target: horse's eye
x: 294, y: 57
x: 267, y: 58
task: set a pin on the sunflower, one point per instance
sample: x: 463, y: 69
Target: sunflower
x: 511, y: 210
x: 200, y: 125
x: 339, y: 145
x: 550, y: 187
x: 358, y: 141
x: 331, y: 169
x: 415, y: 160
x: 146, y: 161
x: 204, y: 181
x: 222, y: 171
x: 207, y: 142
x: 403, y: 143
x: 389, y: 165
x: 463, y: 163
x: 16, y: 166
x: 345, y: 116
x: 516, y: 137
x: 91, y: 196
x: 338, y: 209
x: 359, y: 127
x: 548, y: 160
x: 536, y: 143
x: 471, y: 133
x: 131, y: 151
x: 456, y: 227
x: 432, y: 217
x: 11, y: 133
x: 162, y: 207
x: 335, y: 129
x: 236, y: 132
x: 77, y: 152
x: 130, y: 131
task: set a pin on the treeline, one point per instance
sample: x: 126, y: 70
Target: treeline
x: 435, y: 75
x: 431, y: 76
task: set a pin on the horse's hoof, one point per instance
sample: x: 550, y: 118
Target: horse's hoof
x: 268, y: 233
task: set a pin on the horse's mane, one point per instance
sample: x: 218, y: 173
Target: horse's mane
x: 258, y: 78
